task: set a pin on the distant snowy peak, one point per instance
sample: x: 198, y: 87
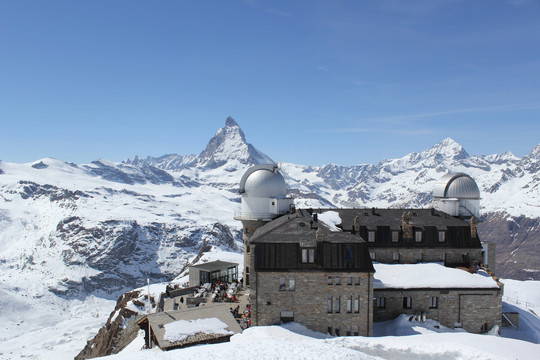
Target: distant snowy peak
x: 229, y: 144
x: 447, y: 149
x: 165, y: 162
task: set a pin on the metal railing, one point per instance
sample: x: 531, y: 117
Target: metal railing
x: 527, y: 304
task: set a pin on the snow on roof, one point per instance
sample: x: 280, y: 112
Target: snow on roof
x: 330, y: 219
x: 181, y: 329
x: 429, y: 275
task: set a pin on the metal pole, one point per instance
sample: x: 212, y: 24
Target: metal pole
x: 148, y: 316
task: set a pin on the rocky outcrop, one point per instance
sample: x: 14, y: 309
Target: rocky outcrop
x: 120, y: 330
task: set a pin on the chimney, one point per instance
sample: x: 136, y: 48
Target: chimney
x: 315, y: 217
x: 406, y: 225
x: 356, y: 225
x: 474, y: 226
x: 372, y: 211
x: 432, y: 211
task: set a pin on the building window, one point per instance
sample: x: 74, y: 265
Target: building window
x: 371, y: 236
x: 349, y: 280
x: 356, y: 305
x: 337, y: 305
x: 381, y: 302
x: 348, y: 331
x: 247, y: 279
x: 330, y: 330
x: 433, y: 302
x: 308, y: 255
x: 247, y: 269
x: 338, y: 280
x: 395, y: 256
x: 282, y: 283
x: 407, y: 302
x: 372, y: 255
x: 337, y: 331
x: 349, y: 304
x: 442, y: 236
x: 357, y: 280
x: 291, y: 284
x: 330, y: 280
x: 395, y: 236
x: 484, y: 326
x: 418, y: 236
x: 248, y: 248
x: 355, y: 330
x: 329, y: 303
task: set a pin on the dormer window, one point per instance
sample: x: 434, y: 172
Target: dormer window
x: 371, y: 236
x: 308, y: 255
x: 395, y: 236
x: 418, y: 236
x: 442, y: 236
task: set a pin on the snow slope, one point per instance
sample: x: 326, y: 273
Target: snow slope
x: 293, y: 341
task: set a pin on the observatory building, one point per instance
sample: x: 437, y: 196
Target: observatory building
x: 264, y: 198
x: 338, y: 270
x: 457, y: 195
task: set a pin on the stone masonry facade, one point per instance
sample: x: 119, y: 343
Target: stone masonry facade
x: 335, y: 302
x: 476, y: 310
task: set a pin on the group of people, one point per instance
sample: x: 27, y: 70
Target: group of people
x: 244, y: 318
x: 224, y: 292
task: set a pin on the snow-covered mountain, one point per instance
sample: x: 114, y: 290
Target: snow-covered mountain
x: 69, y: 230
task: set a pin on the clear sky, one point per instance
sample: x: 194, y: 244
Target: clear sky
x: 309, y: 82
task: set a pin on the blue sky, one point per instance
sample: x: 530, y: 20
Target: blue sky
x: 309, y: 82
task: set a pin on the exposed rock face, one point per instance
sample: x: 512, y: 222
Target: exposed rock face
x: 518, y: 244
x: 119, y: 331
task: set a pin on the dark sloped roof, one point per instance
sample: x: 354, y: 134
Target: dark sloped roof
x: 430, y: 221
x: 297, y: 228
x: 392, y: 217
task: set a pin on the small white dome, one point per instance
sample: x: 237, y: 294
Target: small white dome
x: 265, y: 183
x: 458, y: 185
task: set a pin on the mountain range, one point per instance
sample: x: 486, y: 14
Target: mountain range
x: 103, y: 228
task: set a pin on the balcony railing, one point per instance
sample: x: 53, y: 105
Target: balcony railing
x: 247, y: 215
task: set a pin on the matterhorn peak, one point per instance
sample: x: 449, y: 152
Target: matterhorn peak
x: 230, y: 122
x: 229, y: 144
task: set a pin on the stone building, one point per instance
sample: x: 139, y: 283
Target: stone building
x: 304, y: 272
x: 316, y: 266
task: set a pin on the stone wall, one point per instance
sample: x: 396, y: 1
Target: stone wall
x: 411, y: 255
x: 469, y: 307
x: 309, y: 301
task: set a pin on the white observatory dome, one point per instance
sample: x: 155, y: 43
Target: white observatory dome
x: 458, y: 195
x: 458, y: 185
x: 264, y: 182
x: 264, y: 194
